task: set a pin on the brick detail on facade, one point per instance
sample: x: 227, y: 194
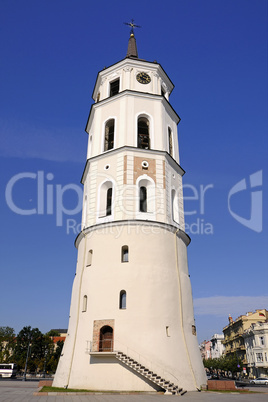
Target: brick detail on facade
x: 164, y: 175
x: 97, y: 325
x: 125, y: 169
x: 139, y: 170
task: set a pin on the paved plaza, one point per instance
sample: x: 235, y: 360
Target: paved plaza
x: 18, y: 391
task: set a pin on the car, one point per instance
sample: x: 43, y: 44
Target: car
x: 260, y: 380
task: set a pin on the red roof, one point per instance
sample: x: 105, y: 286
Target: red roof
x: 58, y: 338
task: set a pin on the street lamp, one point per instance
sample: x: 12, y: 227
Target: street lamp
x: 44, y: 371
x: 25, y: 369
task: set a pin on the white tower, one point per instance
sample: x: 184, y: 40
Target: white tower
x: 131, y: 324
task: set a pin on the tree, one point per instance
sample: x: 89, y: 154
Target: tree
x: 224, y: 363
x: 232, y: 363
x: 7, y: 344
x: 52, y: 333
x: 53, y: 362
x: 40, y: 347
x: 42, y: 353
x: 58, y: 349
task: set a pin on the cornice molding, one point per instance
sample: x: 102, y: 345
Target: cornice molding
x: 134, y: 222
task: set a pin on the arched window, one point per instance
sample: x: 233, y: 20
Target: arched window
x: 106, y: 199
x: 84, y: 303
x: 106, y: 339
x: 109, y: 135
x: 89, y: 257
x: 143, y: 199
x: 124, y: 254
x: 109, y: 201
x: 123, y: 299
x: 174, y: 206
x: 143, y: 133
x: 170, y: 142
x: 146, y: 197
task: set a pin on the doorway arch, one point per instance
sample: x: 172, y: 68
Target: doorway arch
x: 106, y: 339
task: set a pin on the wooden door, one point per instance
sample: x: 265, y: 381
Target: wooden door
x: 106, y: 339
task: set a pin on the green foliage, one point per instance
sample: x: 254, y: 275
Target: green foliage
x: 52, y: 332
x: 57, y: 389
x: 41, y: 349
x: 224, y: 363
x: 54, y: 358
x: 7, y: 344
x: 58, y: 349
x: 42, y: 353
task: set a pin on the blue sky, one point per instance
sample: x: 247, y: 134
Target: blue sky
x: 215, y: 52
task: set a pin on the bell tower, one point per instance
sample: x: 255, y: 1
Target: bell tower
x: 131, y: 325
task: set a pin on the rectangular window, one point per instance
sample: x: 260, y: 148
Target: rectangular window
x: 262, y: 343
x: 123, y: 299
x: 143, y: 133
x: 89, y: 258
x: 124, y: 257
x: 170, y: 144
x: 143, y: 199
x: 109, y: 202
x: 114, y: 87
x: 259, y: 357
x: 84, y: 304
x: 109, y: 135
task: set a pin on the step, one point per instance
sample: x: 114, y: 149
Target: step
x: 170, y: 387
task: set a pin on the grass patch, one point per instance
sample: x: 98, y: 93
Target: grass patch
x: 236, y: 391
x: 56, y: 389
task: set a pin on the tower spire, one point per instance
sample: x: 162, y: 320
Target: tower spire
x: 132, y: 46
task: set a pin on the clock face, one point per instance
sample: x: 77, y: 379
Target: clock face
x: 143, y: 78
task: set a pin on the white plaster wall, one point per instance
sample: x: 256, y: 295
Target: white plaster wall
x: 125, y: 109
x: 125, y: 201
x: 156, y: 326
x: 156, y: 297
x: 127, y: 70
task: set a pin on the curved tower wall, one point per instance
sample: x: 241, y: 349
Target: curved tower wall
x: 154, y: 324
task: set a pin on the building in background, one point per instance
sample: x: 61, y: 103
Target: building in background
x: 205, y: 351
x: 234, y: 333
x: 217, y: 346
x: 256, y: 343
x: 61, y: 337
x: 212, y: 349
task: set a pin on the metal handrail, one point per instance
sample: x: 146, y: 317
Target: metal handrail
x: 141, y: 359
x: 144, y: 361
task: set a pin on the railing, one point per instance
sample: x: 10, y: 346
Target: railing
x: 146, y: 362
x: 138, y: 357
x: 106, y: 345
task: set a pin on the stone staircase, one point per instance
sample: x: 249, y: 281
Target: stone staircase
x: 168, y: 386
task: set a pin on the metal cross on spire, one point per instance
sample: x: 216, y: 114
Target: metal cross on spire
x: 132, y: 25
